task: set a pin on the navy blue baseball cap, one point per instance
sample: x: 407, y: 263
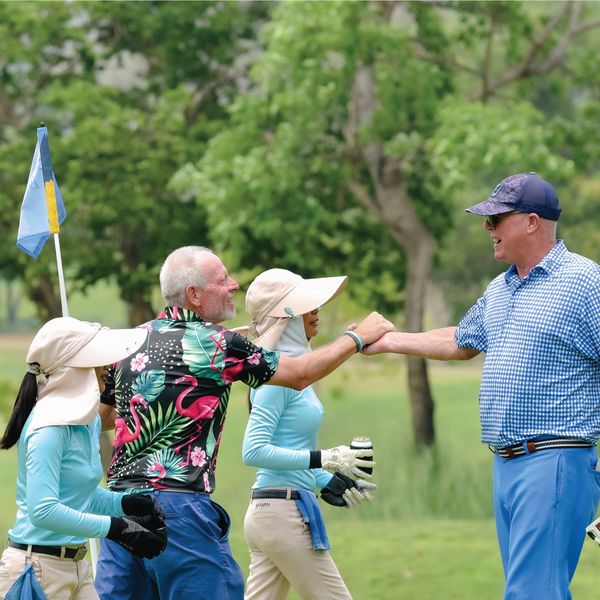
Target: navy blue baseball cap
x: 523, y: 192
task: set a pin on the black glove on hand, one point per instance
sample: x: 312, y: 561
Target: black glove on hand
x: 141, y: 505
x: 333, y: 492
x: 154, y: 523
x: 136, y: 538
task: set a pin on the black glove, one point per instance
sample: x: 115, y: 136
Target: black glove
x: 344, y: 491
x: 131, y: 534
x: 141, y: 505
x: 333, y: 492
x: 155, y: 523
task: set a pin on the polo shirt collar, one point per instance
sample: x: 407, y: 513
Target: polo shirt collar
x: 548, y: 264
x: 179, y: 314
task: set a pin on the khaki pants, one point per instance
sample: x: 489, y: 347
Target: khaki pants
x: 61, y: 578
x: 281, y: 556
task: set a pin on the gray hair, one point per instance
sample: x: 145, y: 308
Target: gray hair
x: 183, y: 267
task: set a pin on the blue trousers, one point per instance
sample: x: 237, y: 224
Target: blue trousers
x: 197, y: 562
x: 543, y: 503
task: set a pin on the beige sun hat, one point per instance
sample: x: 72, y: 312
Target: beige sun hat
x: 66, y: 351
x: 277, y: 295
x: 69, y: 342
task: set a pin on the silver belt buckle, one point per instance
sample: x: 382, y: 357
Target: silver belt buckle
x: 81, y: 552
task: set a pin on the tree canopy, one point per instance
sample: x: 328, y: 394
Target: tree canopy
x: 323, y: 137
x: 387, y: 109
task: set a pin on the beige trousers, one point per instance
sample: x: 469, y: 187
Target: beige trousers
x: 281, y: 556
x: 61, y: 578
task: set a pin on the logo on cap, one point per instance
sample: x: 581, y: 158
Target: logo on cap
x: 289, y: 312
x: 496, y: 189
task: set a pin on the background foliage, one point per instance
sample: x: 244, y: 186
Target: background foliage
x: 325, y: 137
x: 233, y: 124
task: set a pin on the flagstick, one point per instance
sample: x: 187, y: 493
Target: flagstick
x: 93, y: 543
x: 61, y: 278
x: 93, y: 547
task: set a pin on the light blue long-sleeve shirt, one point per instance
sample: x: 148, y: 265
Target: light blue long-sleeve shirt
x: 59, y: 502
x: 281, y: 431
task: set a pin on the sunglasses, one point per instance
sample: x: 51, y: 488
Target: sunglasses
x: 494, y: 220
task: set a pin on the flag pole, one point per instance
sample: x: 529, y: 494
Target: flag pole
x: 42, y: 213
x: 61, y: 278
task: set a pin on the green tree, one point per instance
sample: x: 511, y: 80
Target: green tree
x: 133, y: 91
x: 39, y: 45
x: 386, y: 108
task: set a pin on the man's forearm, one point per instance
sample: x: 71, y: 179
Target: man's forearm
x: 437, y: 344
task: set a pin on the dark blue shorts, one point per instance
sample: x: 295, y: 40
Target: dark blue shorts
x: 197, y: 562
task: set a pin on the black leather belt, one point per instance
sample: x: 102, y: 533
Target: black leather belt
x: 280, y: 494
x: 537, y: 445
x: 74, y: 553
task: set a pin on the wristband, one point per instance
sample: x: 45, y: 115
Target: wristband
x: 357, y: 338
x: 315, y: 459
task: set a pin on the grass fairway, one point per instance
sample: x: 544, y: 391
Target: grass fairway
x: 429, y: 534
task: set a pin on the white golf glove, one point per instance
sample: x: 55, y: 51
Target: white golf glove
x: 347, y: 461
x: 355, y: 496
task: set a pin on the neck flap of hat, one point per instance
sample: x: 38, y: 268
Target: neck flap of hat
x: 293, y: 340
x: 268, y: 331
x: 70, y: 396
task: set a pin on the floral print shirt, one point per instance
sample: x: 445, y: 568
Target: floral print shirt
x: 171, y: 399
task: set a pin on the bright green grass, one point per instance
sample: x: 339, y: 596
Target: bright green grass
x: 429, y: 534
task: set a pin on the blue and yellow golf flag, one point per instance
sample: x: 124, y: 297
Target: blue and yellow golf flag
x: 43, y: 210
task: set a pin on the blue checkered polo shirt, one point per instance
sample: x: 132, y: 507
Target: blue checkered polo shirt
x: 541, y: 336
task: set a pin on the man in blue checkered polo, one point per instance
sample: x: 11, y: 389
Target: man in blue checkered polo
x: 539, y: 327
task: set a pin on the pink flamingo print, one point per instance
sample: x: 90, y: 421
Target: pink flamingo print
x: 122, y: 433
x: 201, y: 408
x: 188, y: 444
x: 160, y: 471
x: 234, y: 367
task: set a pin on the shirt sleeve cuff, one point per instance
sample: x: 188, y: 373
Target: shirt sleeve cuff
x: 315, y: 459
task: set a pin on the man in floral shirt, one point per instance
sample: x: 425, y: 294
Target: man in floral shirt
x: 170, y: 402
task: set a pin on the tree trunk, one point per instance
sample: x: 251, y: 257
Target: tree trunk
x: 43, y: 293
x: 420, y: 255
x: 421, y: 403
x: 13, y: 301
x: 392, y: 205
x: 139, y: 310
x: 418, y: 245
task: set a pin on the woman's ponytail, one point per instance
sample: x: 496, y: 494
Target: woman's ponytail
x: 22, y: 408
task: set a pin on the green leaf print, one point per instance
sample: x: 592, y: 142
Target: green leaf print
x: 117, y: 385
x: 165, y: 463
x: 271, y: 358
x: 210, y: 443
x: 149, y: 384
x: 158, y: 430
x: 252, y: 381
x: 199, y: 350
